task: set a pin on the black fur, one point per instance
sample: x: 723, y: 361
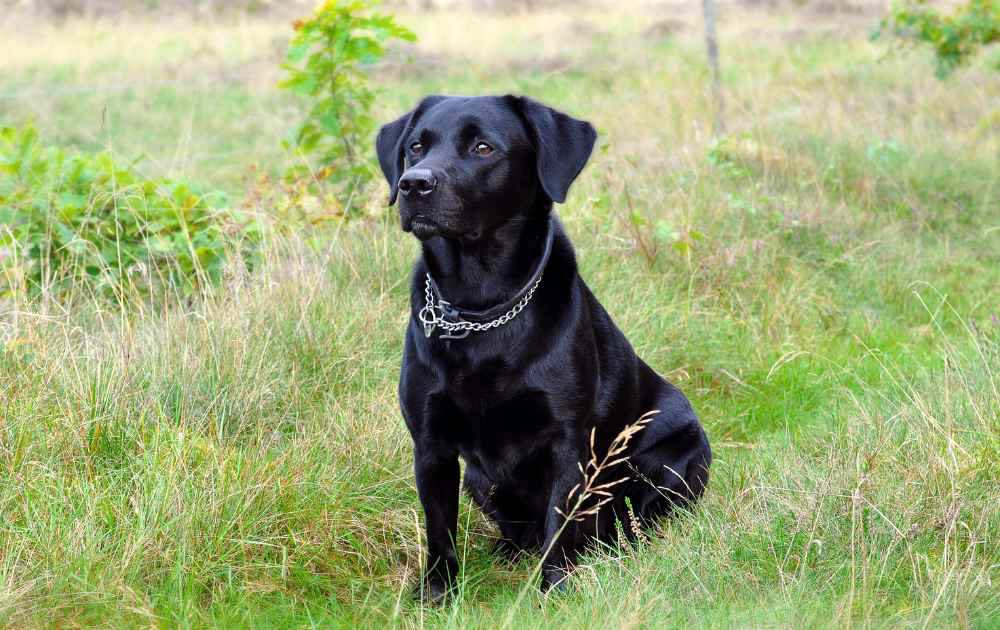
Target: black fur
x: 518, y: 403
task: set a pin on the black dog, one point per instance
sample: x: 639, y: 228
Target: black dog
x: 510, y: 362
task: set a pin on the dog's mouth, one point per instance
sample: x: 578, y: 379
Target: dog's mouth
x: 423, y: 227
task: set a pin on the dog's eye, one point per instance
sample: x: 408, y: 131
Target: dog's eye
x: 482, y: 149
x: 416, y: 147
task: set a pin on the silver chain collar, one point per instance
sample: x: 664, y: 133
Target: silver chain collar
x: 436, y: 313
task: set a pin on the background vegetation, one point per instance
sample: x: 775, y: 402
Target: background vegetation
x: 823, y: 281
x: 78, y: 222
x: 954, y: 37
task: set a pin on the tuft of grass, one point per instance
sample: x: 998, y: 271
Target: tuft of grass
x: 822, y: 283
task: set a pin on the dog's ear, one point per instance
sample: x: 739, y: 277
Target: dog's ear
x: 388, y: 143
x: 563, y: 145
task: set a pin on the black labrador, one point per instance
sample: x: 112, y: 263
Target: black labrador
x: 510, y: 362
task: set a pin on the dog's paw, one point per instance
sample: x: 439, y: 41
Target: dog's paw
x: 555, y: 580
x: 432, y: 591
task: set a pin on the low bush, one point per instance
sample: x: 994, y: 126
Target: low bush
x: 954, y: 38
x: 325, y: 64
x: 70, y: 217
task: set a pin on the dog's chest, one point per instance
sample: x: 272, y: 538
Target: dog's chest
x: 496, y: 430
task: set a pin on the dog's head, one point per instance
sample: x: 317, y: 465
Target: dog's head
x: 461, y: 167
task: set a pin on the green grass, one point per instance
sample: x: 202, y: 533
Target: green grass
x: 239, y: 459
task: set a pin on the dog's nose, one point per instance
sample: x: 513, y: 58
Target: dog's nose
x: 419, y: 180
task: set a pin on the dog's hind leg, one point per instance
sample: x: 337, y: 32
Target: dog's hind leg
x: 669, y: 477
x: 670, y: 461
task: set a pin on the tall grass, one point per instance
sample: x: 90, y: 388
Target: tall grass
x: 238, y: 458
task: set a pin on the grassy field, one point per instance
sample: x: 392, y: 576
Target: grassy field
x: 823, y: 281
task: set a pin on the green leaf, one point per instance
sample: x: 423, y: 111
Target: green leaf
x: 665, y: 232
x: 297, y: 50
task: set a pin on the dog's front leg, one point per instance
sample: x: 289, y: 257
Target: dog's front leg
x: 560, y: 546
x: 437, y: 484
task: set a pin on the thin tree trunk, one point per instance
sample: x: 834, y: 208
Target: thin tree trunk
x: 712, y: 44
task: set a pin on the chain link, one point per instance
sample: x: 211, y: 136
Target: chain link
x: 432, y: 314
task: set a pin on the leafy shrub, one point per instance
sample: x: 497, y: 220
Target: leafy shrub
x: 324, y: 64
x: 955, y: 38
x: 66, y: 218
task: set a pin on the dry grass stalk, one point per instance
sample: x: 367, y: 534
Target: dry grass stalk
x: 634, y: 524
x: 615, y: 456
x: 589, y: 487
